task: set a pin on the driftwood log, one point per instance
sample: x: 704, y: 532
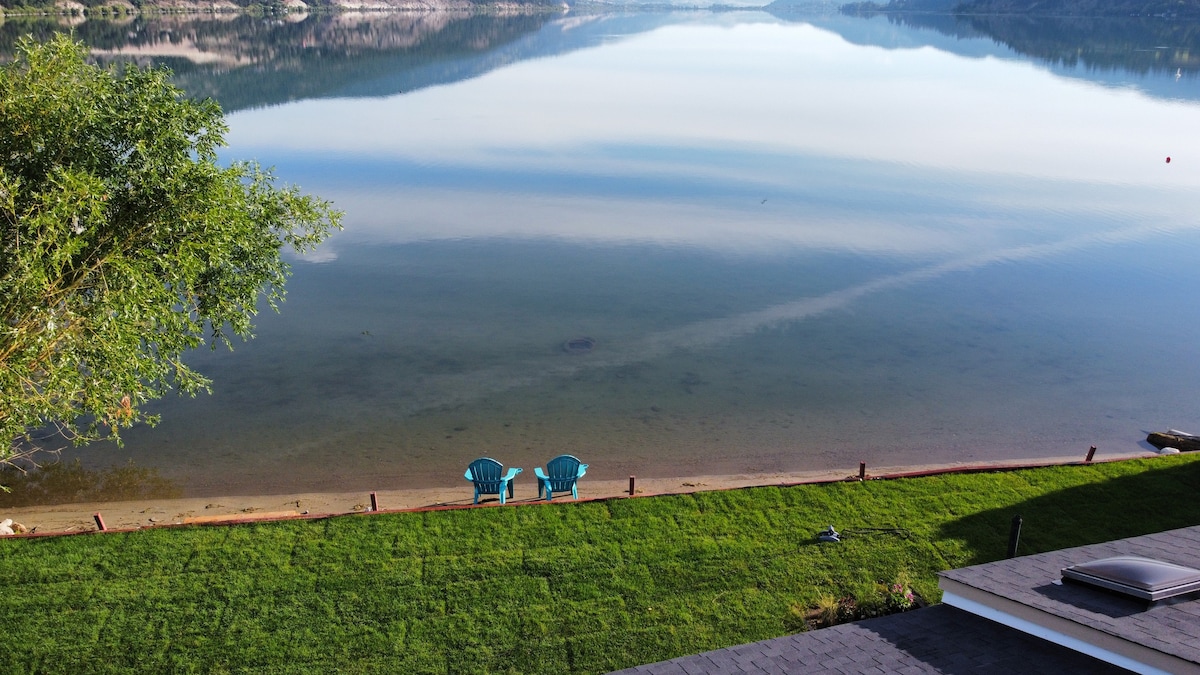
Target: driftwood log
x: 1181, y: 442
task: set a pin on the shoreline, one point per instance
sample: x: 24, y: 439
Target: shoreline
x: 79, y: 518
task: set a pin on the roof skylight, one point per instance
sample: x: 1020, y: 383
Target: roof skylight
x: 1143, y: 578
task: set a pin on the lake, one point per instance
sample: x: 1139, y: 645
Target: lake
x: 794, y: 241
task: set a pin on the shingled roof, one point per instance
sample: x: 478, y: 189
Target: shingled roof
x: 1009, y: 616
x: 1028, y: 594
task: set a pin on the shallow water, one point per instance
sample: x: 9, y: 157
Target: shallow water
x: 798, y: 243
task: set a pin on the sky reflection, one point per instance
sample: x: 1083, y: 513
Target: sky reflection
x: 792, y: 252
x: 737, y: 135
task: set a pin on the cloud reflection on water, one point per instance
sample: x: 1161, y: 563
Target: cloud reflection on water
x: 685, y: 137
x: 680, y: 135
x: 687, y: 86
x: 467, y: 387
x: 680, y: 195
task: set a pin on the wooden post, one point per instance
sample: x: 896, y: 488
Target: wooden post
x: 1091, y: 453
x: 1014, y: 536
x: 862, y: 470
x: 631, y: 491
x: 374, y: 502
x: 100, y: 522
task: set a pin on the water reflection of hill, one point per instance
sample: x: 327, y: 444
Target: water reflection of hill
x: 246, y: 61
x: 322, y: 56
x: 1144, y: 53
x: 1135, y: 44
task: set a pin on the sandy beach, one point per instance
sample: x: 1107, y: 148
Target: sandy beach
x: 129, y: 515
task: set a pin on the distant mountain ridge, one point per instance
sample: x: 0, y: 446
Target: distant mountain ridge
x: 1083, y: 7
x: 1164, y: 8
x: 247, y: 61
x: 133, y: 7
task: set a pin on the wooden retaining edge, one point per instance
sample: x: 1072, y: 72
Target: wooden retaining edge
x: 241, y: 519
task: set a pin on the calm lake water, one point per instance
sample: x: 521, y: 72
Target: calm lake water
x: 797, y: 241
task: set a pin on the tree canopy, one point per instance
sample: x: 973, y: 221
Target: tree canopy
x: 124, y: 243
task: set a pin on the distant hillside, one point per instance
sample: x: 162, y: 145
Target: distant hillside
x: 208, y: 6
x: 939, y: 6
x: 1168, y: 8
x: 1084, y: 7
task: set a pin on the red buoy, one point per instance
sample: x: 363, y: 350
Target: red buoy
x: 1168, y: 160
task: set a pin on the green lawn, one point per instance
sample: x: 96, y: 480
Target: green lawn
x: 565, y: 587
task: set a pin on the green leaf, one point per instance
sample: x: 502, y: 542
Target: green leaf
x: 124, y: 244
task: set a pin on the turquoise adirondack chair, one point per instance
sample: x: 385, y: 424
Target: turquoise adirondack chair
x: 563, y: 471
x: 485, y: 473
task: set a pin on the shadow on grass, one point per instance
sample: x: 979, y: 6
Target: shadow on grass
x: 1127, y: 504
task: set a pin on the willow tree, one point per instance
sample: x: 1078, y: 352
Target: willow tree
x: 125, y: 243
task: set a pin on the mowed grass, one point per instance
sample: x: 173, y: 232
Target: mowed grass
x: 566, y: 587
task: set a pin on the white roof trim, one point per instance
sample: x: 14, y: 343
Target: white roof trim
x: 954, y: 599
